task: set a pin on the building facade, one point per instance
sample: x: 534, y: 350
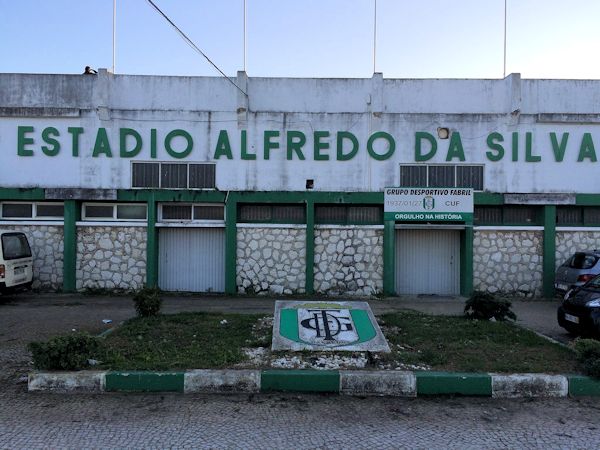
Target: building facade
x: 190, y: 184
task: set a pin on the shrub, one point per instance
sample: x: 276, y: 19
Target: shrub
x: 484, y: 306
x: 66, y: 352
x: 588, y: 354
x: 147, y: 302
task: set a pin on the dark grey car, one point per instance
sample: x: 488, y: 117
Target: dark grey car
x: 577, y: 270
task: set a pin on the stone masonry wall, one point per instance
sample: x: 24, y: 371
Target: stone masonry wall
x: 569, y: 242
x: 47, y: 249
x: 111, y: 257
x: 349, y: 261
x: 271, y: 260
x: 508, y: 262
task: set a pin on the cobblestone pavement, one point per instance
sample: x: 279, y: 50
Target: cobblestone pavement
x: 39, y: 420
x: 292, y: 421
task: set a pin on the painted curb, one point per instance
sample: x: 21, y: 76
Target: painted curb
x: 584, y: 386
x: 529, y: 385
x: 138, y: 381
x: 397, y: 384
x: 300, y: 381
x: 221, y: 381
x: 452, y: 383
x: 62, y: 382
x: 348, y: 382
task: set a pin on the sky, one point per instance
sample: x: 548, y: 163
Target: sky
x: 305, y: 38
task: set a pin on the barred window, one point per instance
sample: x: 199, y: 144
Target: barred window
x: 517, y: 215
x: 349, y: 214
x: 271, y: 213
x: 166, y: 175
x: 197, y: 212
x: 441, y: 175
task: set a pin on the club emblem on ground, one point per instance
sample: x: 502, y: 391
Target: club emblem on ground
x: 326, y: 326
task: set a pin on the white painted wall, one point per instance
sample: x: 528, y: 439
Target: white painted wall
x: 204, y: 106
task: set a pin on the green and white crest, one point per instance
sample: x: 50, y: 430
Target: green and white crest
x: 310, y: 325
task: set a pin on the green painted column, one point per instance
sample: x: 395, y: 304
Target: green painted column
x: 389, y: 257
x: 230, y: 243
x: 549, y: 250
x: 466, y: 260
x: 72, y: 214
x: 152, y: 244
x: 310, y: 247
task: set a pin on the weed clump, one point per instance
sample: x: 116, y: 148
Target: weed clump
x: 486, y: 306
x: 66, y: 352
x: 588, y: 354
x: 147, y: 302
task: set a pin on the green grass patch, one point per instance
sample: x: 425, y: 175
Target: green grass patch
x: 462, y: 345
x: 182, y: 341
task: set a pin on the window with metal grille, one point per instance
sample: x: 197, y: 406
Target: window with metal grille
x: 349, y: 214
x: 271, y: 213
x: 166, y: 175
x: 516, y: 215
x: 209, y: 212
x: 442, y: 175
x: 413, y: 176
x: 469, y: 177
x: 487, y: 215
x: 577, y: 216
x: 145, y: 175
x: 569, y: 215
x: 173, y: 176
x: 177, y: 212
x: 591, y: 215
x: 202, y: 176
x: 195, y: 212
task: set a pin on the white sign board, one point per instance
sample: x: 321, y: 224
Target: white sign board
x: 428, y: 204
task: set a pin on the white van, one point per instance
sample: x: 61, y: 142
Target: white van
x: 16, y: 262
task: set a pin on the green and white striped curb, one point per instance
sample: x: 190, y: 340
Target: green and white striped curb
x: 350, y: 382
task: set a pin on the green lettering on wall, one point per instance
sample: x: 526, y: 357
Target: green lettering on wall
x: 179, y: 133
x: 492, y: 143
x: 75, y: 132
x: 22, y: 141
x: 587, y: 150
x: 153, y: 143
x: 346, y: 135
x: 319, y: 145
x: 455, y: 148
x: 529, y: 157
x: 102, y: 146
x: 48, y: 135
x: 559, y: 149
x: 391, y: 145
x: 123, y: 134
x: 268, y: 144
x: 223, y: 147
x: 515, y: 146
x: 419, y: 136
x: 244, y: 145
x: 295, y: 140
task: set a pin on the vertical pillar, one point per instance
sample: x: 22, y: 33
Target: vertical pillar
x: 230, y: 243
x: 310, y: 247
x: 389, y: 257
x: 152, y: 244
x: 549, y: 257
x: 71, y: 215
x: 466, y: 260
